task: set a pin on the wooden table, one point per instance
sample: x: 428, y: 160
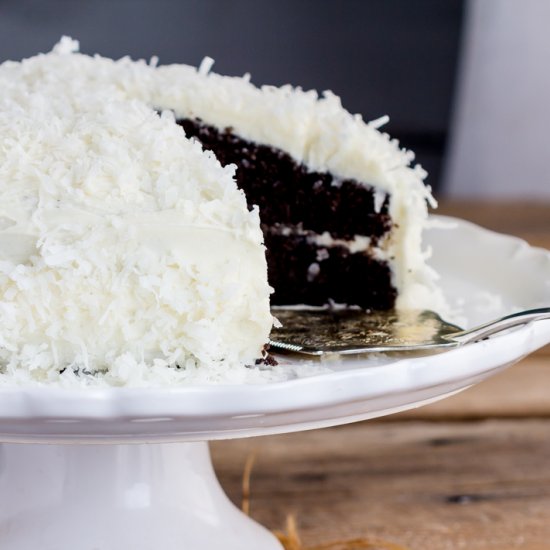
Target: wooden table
x: 469, y: 472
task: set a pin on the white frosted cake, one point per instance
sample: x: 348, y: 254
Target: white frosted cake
x: 127, y: 248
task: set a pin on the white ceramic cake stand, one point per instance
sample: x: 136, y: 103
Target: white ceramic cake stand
x: 113, y: 469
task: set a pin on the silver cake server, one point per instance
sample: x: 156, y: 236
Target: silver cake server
x: 352, y: 331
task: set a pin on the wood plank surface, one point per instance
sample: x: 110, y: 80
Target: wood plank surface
x: 418, y: 485
x: 468, y: 472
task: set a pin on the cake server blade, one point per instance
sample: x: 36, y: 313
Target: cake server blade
x: 353, y: 331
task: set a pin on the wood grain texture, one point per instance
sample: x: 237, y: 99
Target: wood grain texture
x: 477, y: 485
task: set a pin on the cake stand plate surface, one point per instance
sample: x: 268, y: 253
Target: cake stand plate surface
x: 129, y: 467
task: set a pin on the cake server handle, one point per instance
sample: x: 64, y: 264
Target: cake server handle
x: 426, y: 331
x: 494, y: 327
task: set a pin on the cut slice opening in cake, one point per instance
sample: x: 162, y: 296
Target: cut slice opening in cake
x: 342, y: 206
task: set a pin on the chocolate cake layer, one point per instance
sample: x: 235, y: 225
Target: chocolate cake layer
x: 300, y: 276
x: 287, y: 193
x: 307, y: 203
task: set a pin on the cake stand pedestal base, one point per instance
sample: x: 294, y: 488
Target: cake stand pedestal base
x: 110, y: 497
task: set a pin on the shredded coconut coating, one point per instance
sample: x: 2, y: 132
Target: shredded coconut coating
x: 124, y: 248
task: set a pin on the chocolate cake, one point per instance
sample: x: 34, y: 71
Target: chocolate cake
x: 139, y: 203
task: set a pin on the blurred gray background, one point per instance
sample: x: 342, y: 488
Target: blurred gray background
x: 398, y: 57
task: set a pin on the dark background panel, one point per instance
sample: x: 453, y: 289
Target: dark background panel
x: 395, y: 57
